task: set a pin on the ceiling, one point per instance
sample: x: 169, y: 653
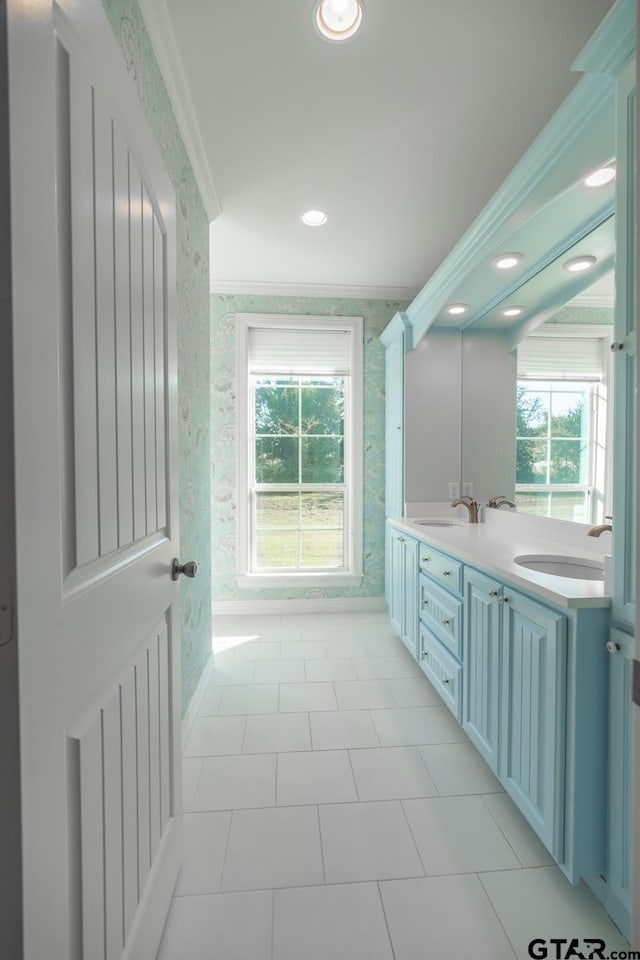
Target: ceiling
x: 401, y: 135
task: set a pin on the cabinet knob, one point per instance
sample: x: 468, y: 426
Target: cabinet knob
x: 493, y: 593
x: 617, y: 346
x: 446, y: 573
x: 400, y: 539
x: 446, y: 681
x: 445, y: 621
x: 503, y: 600
x: 613, y: 647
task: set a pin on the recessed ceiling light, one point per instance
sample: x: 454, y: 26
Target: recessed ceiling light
x: 507, y: 260
x: 314, y: 218
x: 601, y: 176
x: 456, y: 308
x: 338, y: 20
x: 512, y: 311
x: 580, y: 264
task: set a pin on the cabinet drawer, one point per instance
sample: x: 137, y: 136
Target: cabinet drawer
x: 442, y: 614
x: 445, y: 570
x: 443, y: 671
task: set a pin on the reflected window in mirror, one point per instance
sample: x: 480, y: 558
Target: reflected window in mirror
x: 562, y: 418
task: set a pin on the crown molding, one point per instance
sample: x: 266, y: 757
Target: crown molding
x: 260, y: 288
x: 160, y: 29
x: 613, y: 43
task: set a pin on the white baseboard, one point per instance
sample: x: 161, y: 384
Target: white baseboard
x: 194, y: 704
x: 319, y: 605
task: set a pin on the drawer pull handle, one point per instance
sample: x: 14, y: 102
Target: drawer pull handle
x: 613, y: 647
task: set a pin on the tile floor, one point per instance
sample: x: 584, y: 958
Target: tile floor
x: 334, y: 810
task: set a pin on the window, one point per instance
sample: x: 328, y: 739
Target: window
x: 300, y: 450
x: 561, y: 425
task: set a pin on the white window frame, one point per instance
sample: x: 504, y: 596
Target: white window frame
x: 353, y: 456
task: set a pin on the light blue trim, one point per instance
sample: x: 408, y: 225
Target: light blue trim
x: 612, y: 44
x: 399, y: 323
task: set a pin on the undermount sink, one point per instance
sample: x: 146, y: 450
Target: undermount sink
x: 575, y: 568
x: 438, y: 522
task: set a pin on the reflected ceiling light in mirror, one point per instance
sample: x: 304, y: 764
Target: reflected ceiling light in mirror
x: 338, y: 20
x: 506, y: 261
x: 512, y: 311
x: 580, y: 264
x: 314, y: 218
x: 456, y: 309
x: 601, y: 176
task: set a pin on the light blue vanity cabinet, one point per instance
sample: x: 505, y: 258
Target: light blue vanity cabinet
x: 402, y: 586
x: 441, y: 623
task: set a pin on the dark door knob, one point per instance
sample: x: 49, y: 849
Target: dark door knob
x: 189, y: 569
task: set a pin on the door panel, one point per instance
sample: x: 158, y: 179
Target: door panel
x: 97, y: 518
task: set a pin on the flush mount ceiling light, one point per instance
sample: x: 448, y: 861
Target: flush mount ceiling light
x: 512, y: 311
x: 506, y: 261
x: 314, y: 218
x: 457, y: 308
x: 580, y: 264
x: 601, y: 176
x: 338, y: 20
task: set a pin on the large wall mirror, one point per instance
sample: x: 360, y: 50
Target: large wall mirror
x: 536, y: 418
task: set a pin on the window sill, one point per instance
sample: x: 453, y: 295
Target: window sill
x: 258, y: 581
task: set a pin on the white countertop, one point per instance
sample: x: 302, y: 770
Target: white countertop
x: 491, y: 549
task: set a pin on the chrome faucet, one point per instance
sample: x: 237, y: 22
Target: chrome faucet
x: 472, y: 506
x: 500, y: 501
x: 600, y: 528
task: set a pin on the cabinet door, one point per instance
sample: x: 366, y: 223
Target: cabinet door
x: 394, y: 427
x: 532, y: 721
x: 481, y: 696
x: 409, y: 634
x: 620, y: 775
x: 624, y: 374
x: 395, y: 579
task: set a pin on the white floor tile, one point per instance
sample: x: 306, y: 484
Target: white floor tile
x: 191, y: 768
x: 342, y: 730
x: 279, y: 671
x: 367, y: 841
x: 322, y: 776
x: 391, y: 773
x: 230, y: 783
x: 386, y: 668
x: 232, y: 926
x: 334, y: 669
x: 340, y: 648
x: 414, y: 692
x: 215, y: 736
x: 307, y: 696
x: 387, y: 646
x: 407, y: 726
x: 526, y: 845
x: 257, y: 650
x: 333, y: 922
x: 458, y: 769
x: 363, y: 694
x: 249, y: 698
x: 205, y: 843
x: 232, y: 671
x: 277, y: 732
x: 273, y: 848
x: 458, y: 835
x: 210, y: 700
x: 541, y: 903
x: 303, y: 650
x: 443, y: 918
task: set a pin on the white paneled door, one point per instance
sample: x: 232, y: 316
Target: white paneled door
x: 94, y: 317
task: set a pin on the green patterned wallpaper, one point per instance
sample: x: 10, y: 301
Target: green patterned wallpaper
x: 376, y: 315
x: 193, y: 337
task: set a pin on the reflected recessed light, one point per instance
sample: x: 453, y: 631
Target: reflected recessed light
x: 314, y: 218
x: 338, y: 20
x: 599, y: 177
x: 507, y: 260
x: 456, y: 308
x: 580, y: 264
x: 512, y: 311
